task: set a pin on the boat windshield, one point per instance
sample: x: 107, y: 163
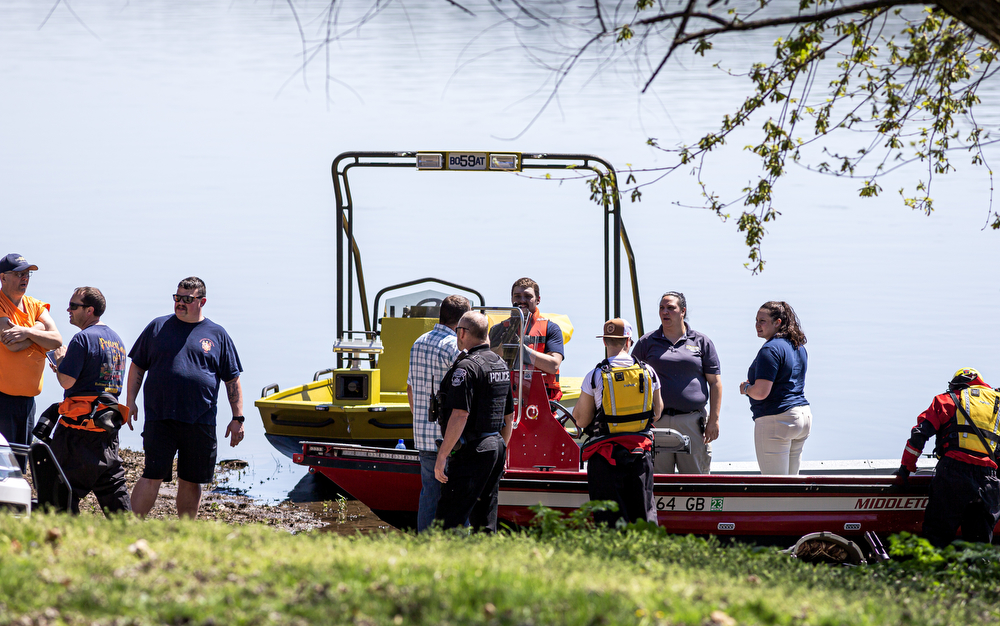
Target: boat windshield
x: 506, y: 333
x: 426, y: 303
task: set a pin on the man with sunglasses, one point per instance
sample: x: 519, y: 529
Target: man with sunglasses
x: 27, y: 332
x: 91, y: 368
x: 186, y: 356
x: 477, y: 418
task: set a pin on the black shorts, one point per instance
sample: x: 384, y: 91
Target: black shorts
x: 194, y: 444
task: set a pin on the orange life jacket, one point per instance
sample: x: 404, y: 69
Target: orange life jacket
x: 93, y: 413
x: 535, y: 339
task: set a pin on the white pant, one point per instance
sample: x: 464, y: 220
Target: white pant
x: 779, y: 440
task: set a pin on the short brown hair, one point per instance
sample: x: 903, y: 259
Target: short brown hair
x: 92, y: 296
x: 616, y: 343
x: 452, y: 309
x: 193, y: 282
x: 525, y: 283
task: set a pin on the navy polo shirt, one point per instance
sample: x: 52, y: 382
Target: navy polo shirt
x: 785, y: 367
x: 681, y: 367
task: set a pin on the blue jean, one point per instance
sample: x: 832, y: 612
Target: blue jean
x: 430, y: 491
x: 17, y: 418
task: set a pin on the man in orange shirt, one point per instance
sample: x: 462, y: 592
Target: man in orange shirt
x: 27, y: 332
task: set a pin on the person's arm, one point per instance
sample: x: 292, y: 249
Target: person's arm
x: 657, y: 404
x: 929, y: 422
x: 234, y: 391
x: 546, y: 362
x: 132, y: 387
x: 409, y: 397
x: 43, y: 333
x: 714, y: 406
x: 508, y: 428
x: 65, y: 380
x: 765, y: 369
x: 585, y: 409
x: 456, y: 424
x: 759, y: 390
x: 552, y: 358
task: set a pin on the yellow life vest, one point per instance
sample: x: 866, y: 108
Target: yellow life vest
x: 627, y: 398
x: 980, y: 405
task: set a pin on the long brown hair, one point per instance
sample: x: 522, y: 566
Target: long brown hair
x: 789, y: 327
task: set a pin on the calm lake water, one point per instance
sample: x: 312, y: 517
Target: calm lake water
x: 148, y: 141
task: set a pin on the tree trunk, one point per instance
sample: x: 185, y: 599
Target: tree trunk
x: 982, y: 16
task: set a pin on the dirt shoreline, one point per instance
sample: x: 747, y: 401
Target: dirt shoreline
x: 216, y: 504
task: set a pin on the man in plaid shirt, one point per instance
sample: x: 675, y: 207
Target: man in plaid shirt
x: 430, y: 358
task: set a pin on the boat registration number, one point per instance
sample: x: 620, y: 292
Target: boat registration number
x: 695, y: 503
x: 468, y: 160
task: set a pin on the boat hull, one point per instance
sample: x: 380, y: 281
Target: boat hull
x: 310, y: 413
x: 772, y: 508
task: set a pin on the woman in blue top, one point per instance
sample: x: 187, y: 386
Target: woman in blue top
x: 775, y: 384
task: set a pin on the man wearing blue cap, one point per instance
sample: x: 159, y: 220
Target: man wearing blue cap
x: 27, y: 332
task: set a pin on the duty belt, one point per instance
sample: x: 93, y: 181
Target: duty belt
x: 672, y: 412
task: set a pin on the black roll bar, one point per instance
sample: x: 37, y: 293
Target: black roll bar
x: 615, y: 236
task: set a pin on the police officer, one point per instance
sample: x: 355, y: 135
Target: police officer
x: 964, y: 490
x: 477, y: 417
x: 618, y: 401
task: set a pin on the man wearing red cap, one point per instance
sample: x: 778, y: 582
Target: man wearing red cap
x: 619, y: 400
x: 27, y: 332
x: 964, y: 491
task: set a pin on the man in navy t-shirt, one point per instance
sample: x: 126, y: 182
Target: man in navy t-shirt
x: 91, y: 365
x: 186, y: 356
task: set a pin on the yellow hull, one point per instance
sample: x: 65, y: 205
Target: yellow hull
x: 310, y: 413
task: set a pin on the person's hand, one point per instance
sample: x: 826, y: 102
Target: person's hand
x: 439, y: 468
x: 235, y: 433
x: 903, y: 474
x: 133, y: 414
x: 59, y: 353
x: 711, y: 430
x: 744, y: 386
x: 14, y: 335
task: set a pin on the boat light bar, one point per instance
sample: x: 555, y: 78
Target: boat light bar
x: 470, y: 161
x: 505, y: 162
x: 430, y: 161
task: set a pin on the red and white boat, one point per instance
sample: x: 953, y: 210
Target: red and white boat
x: 543, y: 467
x: 543, y: 462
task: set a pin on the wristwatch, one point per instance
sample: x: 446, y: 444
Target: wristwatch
x: 239, y: 418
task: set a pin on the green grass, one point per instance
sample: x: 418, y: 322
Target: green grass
x: 56, y: 569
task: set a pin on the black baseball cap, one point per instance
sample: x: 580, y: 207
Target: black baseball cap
x: 14, y: 262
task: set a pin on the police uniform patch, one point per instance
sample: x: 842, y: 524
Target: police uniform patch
x: 458, y: 377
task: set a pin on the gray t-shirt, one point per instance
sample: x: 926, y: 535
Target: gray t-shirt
x: 681, y: 367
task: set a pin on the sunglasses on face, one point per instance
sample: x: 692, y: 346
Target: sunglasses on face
x: 74, y: 306
x: 184, y: 299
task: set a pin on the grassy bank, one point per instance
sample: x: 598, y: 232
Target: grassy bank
x: 57, y: 569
